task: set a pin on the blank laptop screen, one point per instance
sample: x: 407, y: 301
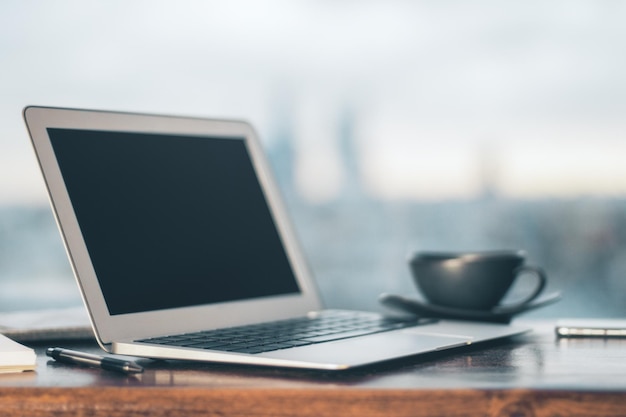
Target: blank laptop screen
x: 172, y: 221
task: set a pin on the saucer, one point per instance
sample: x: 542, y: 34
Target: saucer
x: 500, y: 314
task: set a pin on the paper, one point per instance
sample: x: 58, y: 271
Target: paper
x: 15, y: 357
x: 54, y: 324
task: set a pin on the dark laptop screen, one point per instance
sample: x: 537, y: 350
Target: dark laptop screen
x: 172, y: 221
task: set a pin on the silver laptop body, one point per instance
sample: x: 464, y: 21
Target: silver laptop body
x: 174, y: 225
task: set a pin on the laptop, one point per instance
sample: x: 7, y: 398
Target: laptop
x: 182, y: 248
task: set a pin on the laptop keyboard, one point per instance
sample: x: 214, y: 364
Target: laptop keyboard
x: 321, y: 327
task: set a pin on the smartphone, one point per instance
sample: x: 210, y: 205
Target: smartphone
x: 591, y: 328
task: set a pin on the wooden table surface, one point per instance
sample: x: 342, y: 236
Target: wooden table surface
x: 530, y: 375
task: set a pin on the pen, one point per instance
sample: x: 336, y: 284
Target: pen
x: 104, y: 362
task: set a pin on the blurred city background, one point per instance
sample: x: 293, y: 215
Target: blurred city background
x: 392, y: 127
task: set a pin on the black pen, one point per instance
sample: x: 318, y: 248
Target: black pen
x: 104, y: 362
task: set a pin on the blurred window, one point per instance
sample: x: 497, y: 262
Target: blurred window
x: 392, y: 127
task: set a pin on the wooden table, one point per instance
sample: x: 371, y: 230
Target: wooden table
x: 530, y: 375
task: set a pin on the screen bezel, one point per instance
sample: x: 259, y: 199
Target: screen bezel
x: 127, y: 327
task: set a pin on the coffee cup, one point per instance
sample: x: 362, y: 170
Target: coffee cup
x: 472, y: 280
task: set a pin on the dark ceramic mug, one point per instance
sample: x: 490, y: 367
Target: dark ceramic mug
x: 472, y: 280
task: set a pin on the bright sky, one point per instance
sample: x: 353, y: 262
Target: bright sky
x: 447, y: 96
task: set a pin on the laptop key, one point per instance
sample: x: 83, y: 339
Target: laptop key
x: 338, y: 336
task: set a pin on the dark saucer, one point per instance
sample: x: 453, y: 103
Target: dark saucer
x: 499, y: 314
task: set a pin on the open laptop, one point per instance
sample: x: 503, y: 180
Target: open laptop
x: 182, y: 248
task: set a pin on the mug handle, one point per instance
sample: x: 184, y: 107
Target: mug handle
x: 542, y: 280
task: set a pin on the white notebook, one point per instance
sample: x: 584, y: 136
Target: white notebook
x: 15, y: 357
